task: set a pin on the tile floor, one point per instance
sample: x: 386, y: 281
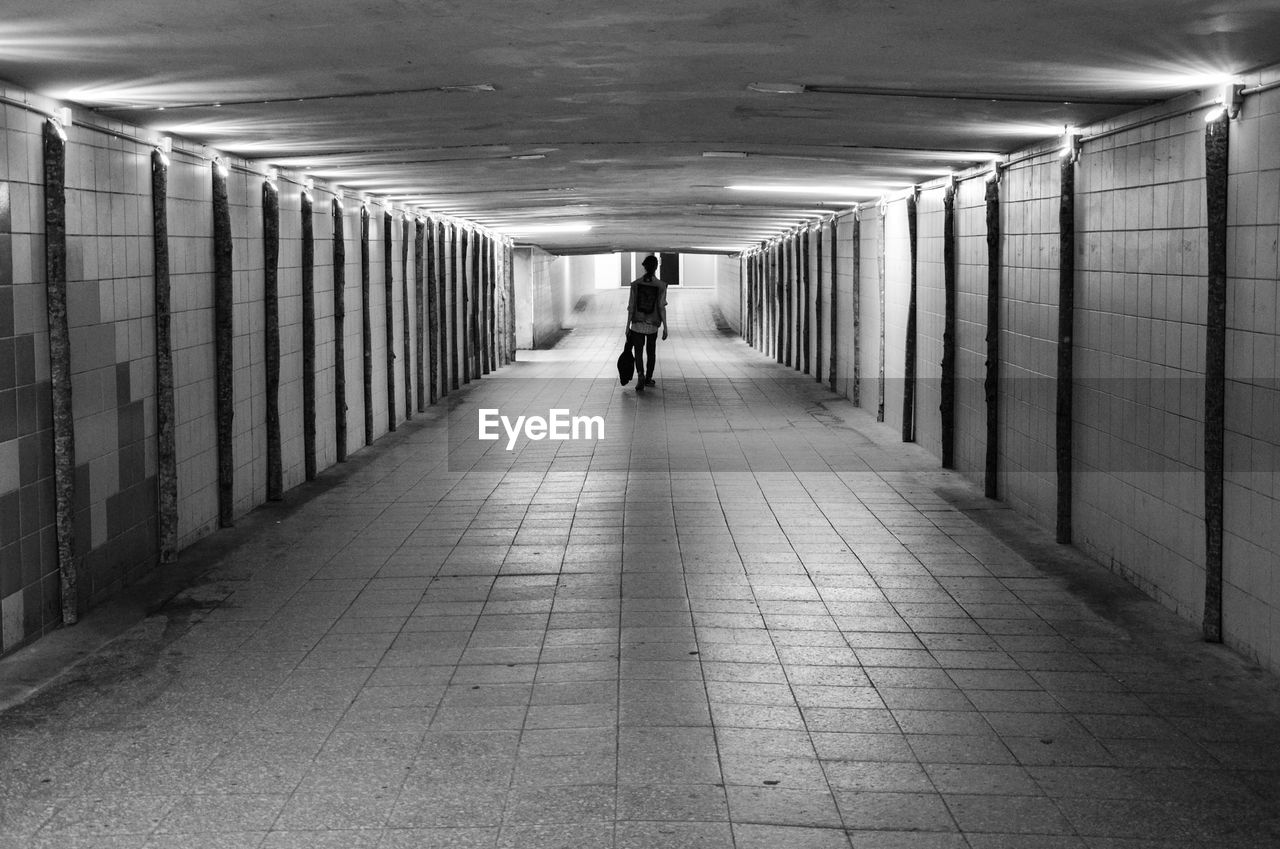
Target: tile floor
x: 746, y: 618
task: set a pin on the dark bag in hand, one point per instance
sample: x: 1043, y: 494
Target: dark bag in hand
x: 626, y: 365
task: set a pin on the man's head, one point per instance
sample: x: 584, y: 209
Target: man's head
x: 650, y: 263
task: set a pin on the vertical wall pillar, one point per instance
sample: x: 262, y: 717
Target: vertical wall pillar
x: 339, y: 331
x: 308, y: 337
x: 463, y: 256
x: 758, y: 301
x: 271, y: 331
x: 947, y: 391
x: 794, y: 317
x: 492, y: 256
x: 223, y: 340
x: 817, y: 306
x: 509, y: 279
x: 432, y: 228
x: 64, y: 444
x: 389, y: 310
x: 477, y: 303
x: 771, y: 301
x: 482, y: 314
x: 406, y: 343
x: 788, y: 314
x: 991, y: 380
x: 166, y: 419
x: 753, y: 313
x: 773, y: 278
x: 768, y: 334
x: 775, y: 301
x: 909, y: 364
x: 754, y: 306
x: 366, y: 325
x: 1216, y: 144
x: 1066, y: 353
x: 881, y: 261
x: 855, y: 308
x: 421, y: 311
x: 793, y: 301
x: 804, y: 328
x: 482, y: 311
x: 452, y: 314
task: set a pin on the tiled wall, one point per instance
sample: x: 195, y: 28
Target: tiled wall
x: 930, y: 319
x: 897, y: 298
x: 1251, y: 597
x: 28, y: 561
x: 249, y: 375
x: 552, y: 293
x: 1028, y: 332
x: 378, y: 319
x: 289, y: 291
x: 353, y: 333
x: 1139, y: 357
x: 729, y: 290
x: 190, y: 222
x: 845, y: 293
x: 111, y: 316
x: 971, y: 327
x: 1138, y: 489
x: 109, y: 266
x: 868, y: 279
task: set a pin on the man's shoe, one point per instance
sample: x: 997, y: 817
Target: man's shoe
x: 649, y: 382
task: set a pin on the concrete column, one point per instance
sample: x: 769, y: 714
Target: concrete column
x: 308, y: 337
x: 64, y: 441
x: 1217, y: 138
x: 1066, y: 352
x: 947, y: 391
x: 389, y: 310
x: 991, y: 380
x: 271, y: 335
x: 223, y: 341
x: 339, y: 331
x: 166, y: 418
x: 909, y: 364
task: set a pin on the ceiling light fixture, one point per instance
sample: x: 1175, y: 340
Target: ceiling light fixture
x: 777, y: 88
x: 1070, y: 143
x: 724, y: 154
x: 1229, y: 99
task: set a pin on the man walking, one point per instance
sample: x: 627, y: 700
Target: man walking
x: 646, y: 315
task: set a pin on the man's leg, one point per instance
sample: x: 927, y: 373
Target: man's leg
x: 637, y: 350
x: 651, y: 342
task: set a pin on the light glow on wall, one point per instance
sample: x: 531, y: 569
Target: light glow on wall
x: 825, y: 191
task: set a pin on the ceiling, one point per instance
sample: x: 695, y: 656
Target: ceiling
x: 632, y: 117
